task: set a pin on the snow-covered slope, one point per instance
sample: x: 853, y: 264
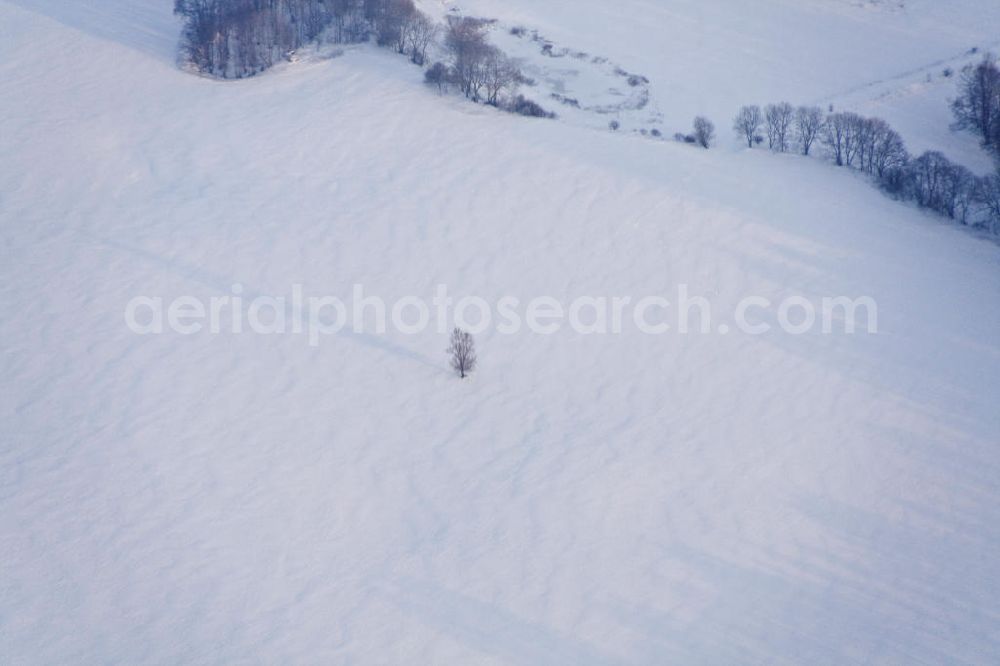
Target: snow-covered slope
x: 878, y: 57
x: 605, y: 499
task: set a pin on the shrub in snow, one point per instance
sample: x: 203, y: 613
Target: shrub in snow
x: 525, y: 107
x: 437, y: 75
x: 568, y: 101
x: 704, y: 131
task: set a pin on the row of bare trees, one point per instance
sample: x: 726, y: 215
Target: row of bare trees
x: 786, y: 127
x: 868, y: 144
x: 871, y: 145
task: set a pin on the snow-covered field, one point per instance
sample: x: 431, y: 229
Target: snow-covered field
x: 620, y: 499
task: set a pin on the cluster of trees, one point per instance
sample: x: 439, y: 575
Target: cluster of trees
x: 786, y: 127
x: 977, y: 107
x: 481, y: 71
x: 870, y: 145
x: 240, y: 38
x: 950, y: 189
x: 397, y: 24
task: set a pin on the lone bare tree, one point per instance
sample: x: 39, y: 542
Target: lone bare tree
x: 747, y: 123
x: 704, y: 131
x: 462, y: 352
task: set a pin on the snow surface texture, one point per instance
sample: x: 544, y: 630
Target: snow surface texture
x: 581, y: 500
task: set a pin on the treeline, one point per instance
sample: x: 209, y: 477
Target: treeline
x: 871, y: 146
x: 241, y: 38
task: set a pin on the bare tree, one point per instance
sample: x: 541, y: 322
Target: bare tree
x: 779, y: 122
x: 835, y: 131
x: 853, y: 137
x: 986, y: 195
x: 809, y: 123
x: 420, y: 32
x: 888, y: 151
x: 929, y: 176
x: 462, y: 352
x: 466, y: 40
x: 977, y: 107
x: 704, y: 131
x: 956, y: 192
x: 868, y: 131
x: 747, y: 123
x: 500, y: 74
x: 346, y: 20
x: 389, y: 19
x: 526, y: 107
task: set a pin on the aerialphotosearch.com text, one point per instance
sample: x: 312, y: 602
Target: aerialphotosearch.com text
x: 318, y: 317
